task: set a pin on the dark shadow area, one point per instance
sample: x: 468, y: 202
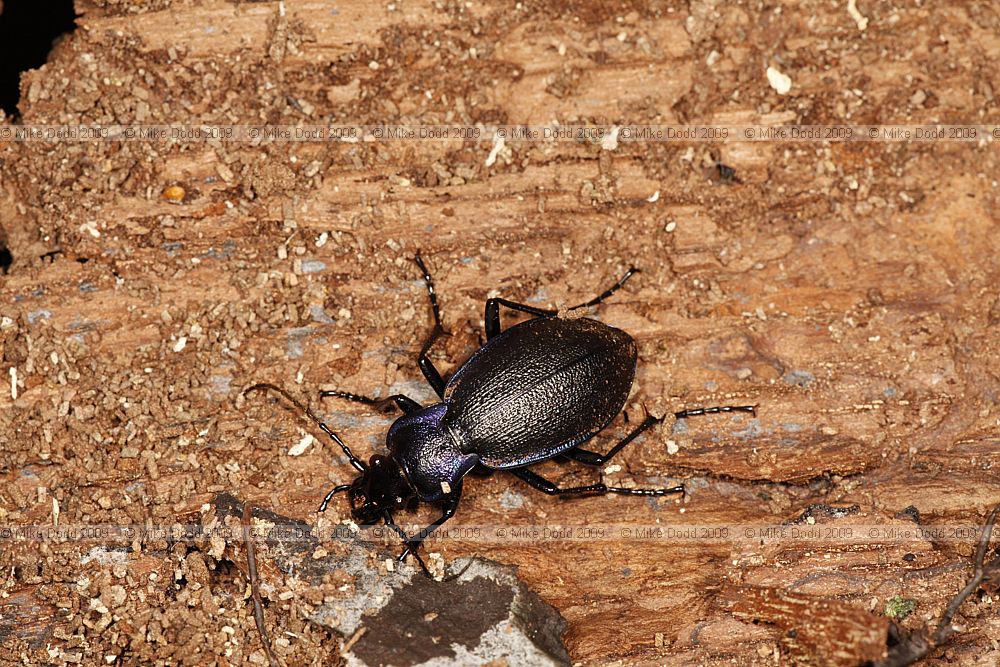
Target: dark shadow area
x: 28, y: 29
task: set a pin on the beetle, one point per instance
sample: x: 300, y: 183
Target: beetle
x: 534, y: 391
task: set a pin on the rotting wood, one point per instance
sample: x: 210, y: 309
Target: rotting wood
x: 847, y: 289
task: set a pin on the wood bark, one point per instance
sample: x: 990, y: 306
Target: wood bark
x: 848, y: 289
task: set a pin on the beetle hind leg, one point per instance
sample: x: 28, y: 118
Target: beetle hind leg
x: 595, y: 459
x: 545, y: 486
x: 625, y: 491
x: 697, y: 412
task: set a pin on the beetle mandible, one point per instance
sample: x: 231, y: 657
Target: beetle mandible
x: 534, y: 391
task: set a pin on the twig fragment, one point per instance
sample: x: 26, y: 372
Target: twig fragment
x: 979, y: 573
x: 258, y: 607
x: 916, y: 645
x: 349, y: 644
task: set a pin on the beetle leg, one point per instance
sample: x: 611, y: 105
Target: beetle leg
x: 404, y: 403
x: 492, y: 318
x: 595, y: 459
x: 608, y: 292
x: 431, y: 373
x: 329, y: 496
x: 545, y: 486
x: 434, y: 378
x: 697, y: 412
x: 387, y: 518
x: 430, y: 289
x: 646, y: 492
x: 450, y: 505
x: 493, y: 305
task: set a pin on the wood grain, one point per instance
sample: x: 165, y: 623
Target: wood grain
x: 847, y: 289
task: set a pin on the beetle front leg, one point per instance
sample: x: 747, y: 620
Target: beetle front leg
x: 449, y: 507
x: 387, y: 518
x: 340, y: 488
x: 355, y: 461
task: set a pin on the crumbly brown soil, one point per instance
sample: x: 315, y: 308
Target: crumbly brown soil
x: 847, y: 289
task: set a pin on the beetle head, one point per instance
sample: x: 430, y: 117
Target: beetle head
x: 380, y: 487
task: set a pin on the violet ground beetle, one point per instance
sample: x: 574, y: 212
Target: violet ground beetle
x: 534, y: 391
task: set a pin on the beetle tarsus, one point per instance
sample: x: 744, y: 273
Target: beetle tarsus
x: 429, y: 282
x: 413, y: 543
x: 410, y: 547
x: 646, y: 492
x: 697, y: 412
x: 608, y: 292
x: 412, y: 551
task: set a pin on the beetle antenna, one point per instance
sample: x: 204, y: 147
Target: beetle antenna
x: 355, y: 461
x: 608, y: 292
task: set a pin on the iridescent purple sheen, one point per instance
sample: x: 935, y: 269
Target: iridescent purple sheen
x: 429, y: 453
